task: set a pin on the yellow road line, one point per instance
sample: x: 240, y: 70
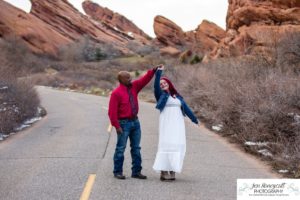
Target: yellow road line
x: 88, y: 187
x: 109, y: 128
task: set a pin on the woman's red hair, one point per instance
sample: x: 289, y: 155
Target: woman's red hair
x: 172, y: 89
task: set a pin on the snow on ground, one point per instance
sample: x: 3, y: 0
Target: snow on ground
x: 265, y: 152
x: 21, y: 127
x: 130, y: 34
x: 283, y: 171
x: 217, y: 127
x: 4, y: 88
x: 249, y: 143
x: 295, y: 116
x: 27, y: 123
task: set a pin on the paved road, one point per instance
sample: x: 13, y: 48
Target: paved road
x: 54, y: 159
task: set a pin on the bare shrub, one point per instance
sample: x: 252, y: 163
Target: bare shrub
x: 289, y: 51
x: 18, y: 102
x: 18, y: 99
x: 142, y: 50
x: 251, y: 100
x: 20, y: 60
x: 281, y: 50
x: 88, y: 50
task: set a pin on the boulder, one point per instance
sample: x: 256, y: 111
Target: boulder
x: 115, y: 20
x: 38, y: 36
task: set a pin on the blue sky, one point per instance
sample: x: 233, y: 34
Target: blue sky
x: 187, y: 14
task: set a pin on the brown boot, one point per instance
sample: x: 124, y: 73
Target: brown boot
x: 172, y: 176
x: 164, y: 176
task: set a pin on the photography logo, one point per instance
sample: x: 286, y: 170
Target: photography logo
x: 265, y: 189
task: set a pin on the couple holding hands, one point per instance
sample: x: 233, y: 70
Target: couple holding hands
x: 123, y: 110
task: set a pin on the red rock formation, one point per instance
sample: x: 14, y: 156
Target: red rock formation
x: 169, y: 51
x: 167, y: 32
x: 52, y: 24
x: 115, y: 20
x: 208, y: 35
x: 263, y: 12
x: 254, y: 26
x: 39, y: 37
x: 204, y: 39
x: 68, y: 21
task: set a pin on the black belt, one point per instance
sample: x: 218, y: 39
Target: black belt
x: 129, y: 118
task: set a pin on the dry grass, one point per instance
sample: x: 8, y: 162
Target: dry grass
x: 255, y: 99
x: 252, y: 101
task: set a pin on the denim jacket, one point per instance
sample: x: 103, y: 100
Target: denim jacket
x: 162, y: 97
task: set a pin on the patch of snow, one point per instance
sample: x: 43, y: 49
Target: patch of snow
x: 217, y: 127
x: 39, y: 111
x: 295, y: 116
x: 290, y: 114
x: 4, y: 88
x: 2, y: 109
x: 69, y: 90
x: 1, y: 137
x: 21, y: 127
x: 97, y: 23
x: 265, y: 152
x: 32, y: 120
x: 283, y: 171
x: 16, y: 110
x: 249, y: 143
x: 286, y: 156
x: 27, y: 123
x: 116, y: 28
x: 130, y: 34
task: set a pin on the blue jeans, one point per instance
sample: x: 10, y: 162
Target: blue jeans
x: 131, y: 129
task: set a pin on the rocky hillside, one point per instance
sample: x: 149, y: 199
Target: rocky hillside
x: 203, y: 39
x: 51, y: 24
x: 254, y: 27
x: 114, y: 20
x: 39, y: 36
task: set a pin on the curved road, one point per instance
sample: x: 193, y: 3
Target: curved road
x: 54, y: 158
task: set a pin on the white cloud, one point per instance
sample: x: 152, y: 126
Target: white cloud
x: 187, y: 14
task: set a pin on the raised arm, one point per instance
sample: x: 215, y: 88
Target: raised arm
x: 157, y: 90
x: 144, y: 80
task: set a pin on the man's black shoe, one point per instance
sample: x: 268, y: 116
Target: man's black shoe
x: 119, y: 176
x: 139, y: 176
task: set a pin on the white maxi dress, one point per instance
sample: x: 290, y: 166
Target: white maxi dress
x: 172, y: 140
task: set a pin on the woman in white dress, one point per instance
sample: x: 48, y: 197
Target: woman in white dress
x: 172, y: 140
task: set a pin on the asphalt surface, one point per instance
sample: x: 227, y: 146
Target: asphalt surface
x: 54, y: 158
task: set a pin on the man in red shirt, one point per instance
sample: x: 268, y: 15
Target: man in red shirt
x: 123, y: 110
